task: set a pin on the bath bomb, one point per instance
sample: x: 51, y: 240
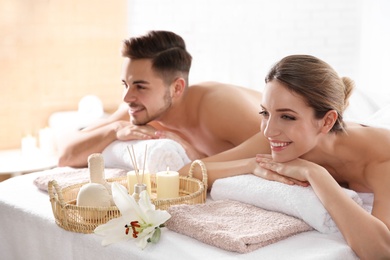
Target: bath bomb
x: 93, y: 195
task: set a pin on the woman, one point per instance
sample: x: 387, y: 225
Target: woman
x: 302, y: 108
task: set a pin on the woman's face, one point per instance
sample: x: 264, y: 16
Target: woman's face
x: 288, y: 123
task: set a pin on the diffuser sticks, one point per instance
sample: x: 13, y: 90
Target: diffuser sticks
x: 138, y: 177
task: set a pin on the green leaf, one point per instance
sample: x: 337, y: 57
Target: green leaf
x: 156, y: 236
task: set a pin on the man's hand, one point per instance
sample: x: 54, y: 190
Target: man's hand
x: 126, y: 131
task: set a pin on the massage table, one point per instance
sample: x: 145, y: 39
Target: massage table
x: 28, y: 229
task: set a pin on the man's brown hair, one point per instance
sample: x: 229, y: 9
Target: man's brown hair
x: 165, y: 49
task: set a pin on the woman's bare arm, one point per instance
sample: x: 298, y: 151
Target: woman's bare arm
x: 367, y: 234
x: 236, y: 161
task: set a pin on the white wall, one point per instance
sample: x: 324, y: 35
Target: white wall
x: 374, y: 63
x: 237, y: 41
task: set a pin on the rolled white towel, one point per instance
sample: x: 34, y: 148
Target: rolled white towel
x: 293, y: 200
x: 161, y: 153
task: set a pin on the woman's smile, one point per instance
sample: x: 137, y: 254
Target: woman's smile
x: 278, y: 145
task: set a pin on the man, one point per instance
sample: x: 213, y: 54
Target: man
x: 205, y: 119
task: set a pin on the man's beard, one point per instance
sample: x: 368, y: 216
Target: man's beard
x: 167, y: 104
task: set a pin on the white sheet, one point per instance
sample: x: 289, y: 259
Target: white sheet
x: 28, y: 230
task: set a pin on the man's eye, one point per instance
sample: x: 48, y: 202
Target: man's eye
x: 263, y: 113
x: 124, y: 84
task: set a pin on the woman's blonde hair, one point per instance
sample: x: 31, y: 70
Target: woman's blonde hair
x: 317, y: 82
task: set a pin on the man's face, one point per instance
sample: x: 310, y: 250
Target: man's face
x: 145, y: 92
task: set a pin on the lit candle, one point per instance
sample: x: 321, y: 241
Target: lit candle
x: 132, y: 180
x: 167, y: 184
x: 29, y: 145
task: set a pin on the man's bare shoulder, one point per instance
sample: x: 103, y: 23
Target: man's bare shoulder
x: 215, y: 84
x: 218, y: 100
x: 221, y: 90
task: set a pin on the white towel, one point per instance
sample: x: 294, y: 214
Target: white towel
x: 161, y: 153
x: 67, y: 176
x: 293, y: 200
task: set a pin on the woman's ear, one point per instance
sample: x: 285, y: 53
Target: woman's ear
x: 329, y: 120
x: 178, y: 87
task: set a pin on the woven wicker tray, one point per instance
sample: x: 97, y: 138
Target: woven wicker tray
x: 75, y: 218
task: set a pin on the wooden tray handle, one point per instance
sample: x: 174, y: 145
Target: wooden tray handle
x: 53, y: 184
x: 203, y: 169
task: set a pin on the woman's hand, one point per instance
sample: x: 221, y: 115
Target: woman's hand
x: 292, y: 172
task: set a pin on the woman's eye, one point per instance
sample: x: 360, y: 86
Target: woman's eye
x: 287, y: 117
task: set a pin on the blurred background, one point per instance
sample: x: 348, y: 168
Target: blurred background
x: 54, y: 52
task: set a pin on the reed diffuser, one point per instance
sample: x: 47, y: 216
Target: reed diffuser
x: 139, y: 186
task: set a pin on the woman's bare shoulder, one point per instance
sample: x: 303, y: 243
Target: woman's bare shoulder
x: 367, y: 132
x: 369, y: 142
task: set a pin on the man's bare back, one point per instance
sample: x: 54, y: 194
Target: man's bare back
x: 216, y: 117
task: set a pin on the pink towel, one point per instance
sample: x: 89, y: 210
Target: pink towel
x: 67, y: 176
x: 233, y: 225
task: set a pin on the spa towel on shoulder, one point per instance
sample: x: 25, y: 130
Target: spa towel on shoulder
x: 293, y: 200
x: 233, y: 225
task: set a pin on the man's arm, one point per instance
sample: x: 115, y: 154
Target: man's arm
x: 75, y: 148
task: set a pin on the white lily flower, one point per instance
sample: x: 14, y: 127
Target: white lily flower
x: 138, y: 220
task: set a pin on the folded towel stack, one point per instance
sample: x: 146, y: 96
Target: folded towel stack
x: 67, y: 176
x: 233, y: 225
x: 293, y: 200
